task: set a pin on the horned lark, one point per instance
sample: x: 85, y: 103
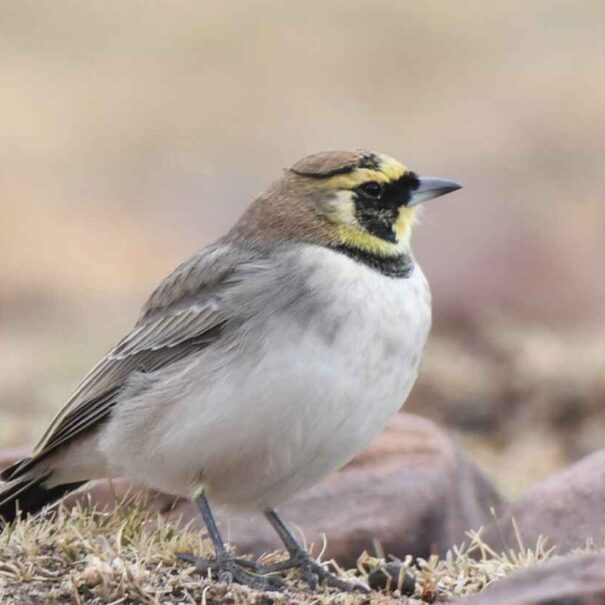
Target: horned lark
x: 261, y: 364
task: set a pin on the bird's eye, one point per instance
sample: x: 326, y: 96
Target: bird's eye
x: 371, y: 189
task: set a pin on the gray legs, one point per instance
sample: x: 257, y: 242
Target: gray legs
x: 311, y: 571
x: 210, y: 523
x: 227, y: 568
x: 255, y: 575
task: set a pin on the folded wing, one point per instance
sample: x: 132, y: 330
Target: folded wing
x: 184, y: 315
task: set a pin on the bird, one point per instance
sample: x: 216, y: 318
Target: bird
x: 260, y: 365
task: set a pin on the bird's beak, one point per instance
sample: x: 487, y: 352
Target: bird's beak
x: 431, y: 187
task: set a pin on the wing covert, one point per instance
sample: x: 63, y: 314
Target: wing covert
x: 183, y: 315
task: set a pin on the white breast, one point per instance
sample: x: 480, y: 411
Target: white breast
x: 309, y: 399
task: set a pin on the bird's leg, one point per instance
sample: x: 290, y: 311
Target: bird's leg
x: 311, y: 571
x: 226, y: 567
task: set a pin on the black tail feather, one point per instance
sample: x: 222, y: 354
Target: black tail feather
x: 29, y: 496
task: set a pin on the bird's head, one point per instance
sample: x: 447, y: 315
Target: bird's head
x: 361, y: 200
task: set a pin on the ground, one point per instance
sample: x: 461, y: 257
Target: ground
x: 129, y: 556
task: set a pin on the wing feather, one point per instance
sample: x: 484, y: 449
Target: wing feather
x: 182, y: 316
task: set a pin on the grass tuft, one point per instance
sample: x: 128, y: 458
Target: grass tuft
x: 128, y: 555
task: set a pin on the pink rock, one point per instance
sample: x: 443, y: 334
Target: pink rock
x: 567, y: 507
x: 571, y: 580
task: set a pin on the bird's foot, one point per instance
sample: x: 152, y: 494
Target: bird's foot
x: 313, y: 573
x: 239, y: 571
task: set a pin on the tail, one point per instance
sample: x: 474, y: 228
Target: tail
x: 27, y: 494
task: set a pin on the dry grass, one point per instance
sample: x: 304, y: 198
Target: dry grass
x: 129, y: 556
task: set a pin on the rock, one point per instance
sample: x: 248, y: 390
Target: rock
x: 412, y: 491
x: 567, y: 508
x: 570, y: 580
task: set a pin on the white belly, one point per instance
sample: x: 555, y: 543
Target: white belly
x: 265, y: 425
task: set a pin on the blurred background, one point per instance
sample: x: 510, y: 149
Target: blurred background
x: 134, y: 133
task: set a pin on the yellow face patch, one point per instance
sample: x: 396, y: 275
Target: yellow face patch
x: 391, y: 168
x: 352, y: 234
x: 342, y: 209
x: 388, y: 170
x: 403, y: 225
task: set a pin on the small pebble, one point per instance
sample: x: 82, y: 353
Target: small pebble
x: 392, y: 576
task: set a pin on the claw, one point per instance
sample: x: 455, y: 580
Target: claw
x: 313, y: 573
x: 225, y: 577
x: 230, y: 570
